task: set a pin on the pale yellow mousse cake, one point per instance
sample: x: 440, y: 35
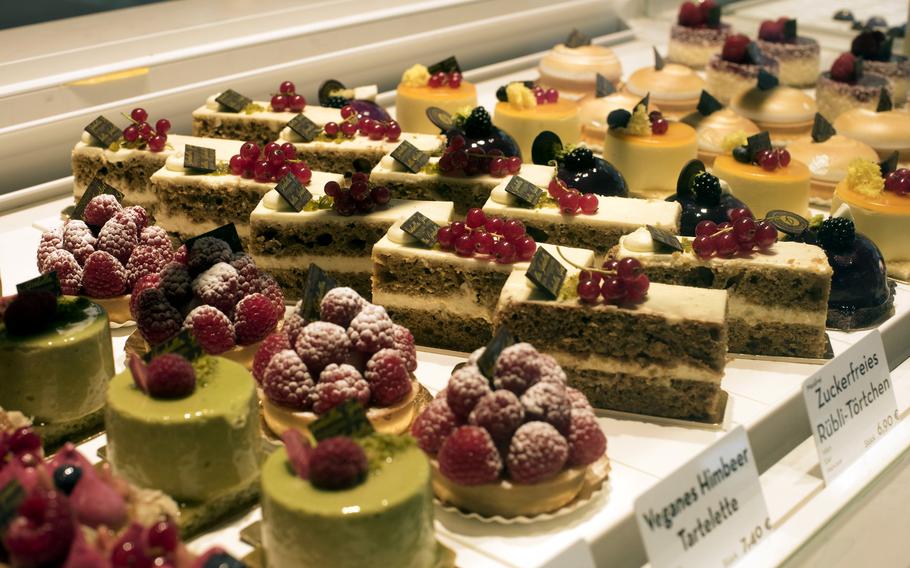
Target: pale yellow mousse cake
x: 716, y: 128
x: 785, y: 112
x: 523, y: 118
x: 762, y: 191
x: 414, y: 96
x: 674, y: 88
x: 827, y: 161
x: 573, y: 70
x: 593, y: 112
x: 885, y: 131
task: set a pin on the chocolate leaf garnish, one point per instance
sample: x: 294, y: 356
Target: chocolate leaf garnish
x: 327, y: 88
x: 707, y: 104
x: 684, y: 181
x: 766, y: 80
x: 546, y: 148
x: 659, y: 62
x: 884, y: 101
x: 822, y: 130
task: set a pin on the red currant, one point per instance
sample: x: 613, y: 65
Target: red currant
x: 475, y: 218
x: 897, y: 181
x: 331, y: 129
x: 513, y: 164
x: 610, y: 265
x: 270, y: 147
x: 525, y: 247
x: 588, y: 291
x: 498, y: 167
x: 556, y: 188
x: 703, y: 245
x: 276, y: 157
x: 595, y: 277
x: 455, y: 79
x: 347, y: 111
x: 139, y: 115
x: 494, y: 225
x: 735, y: 214
x: 628, y: 268
x: 157, y: 142
x: 249, y: 151
x: 279, y: 103
x: 464, y: 245
x: 540, y: 97
x: 332, y: 188
x: 345, y: 204
x: 504, y: 252
x: 162, y: 126
x: 261, y: 172
x: 660, y: 126
x: 483, y: 242
x: 589, y: 204
x: 436, y: 80
x: 381, y: 194
x: 458, y: 228
x: 145, y: 130
x: 303, y: 173
x: 290, y: 151
x: 359, y: 190
x: 363, y: 126
x: 280, y: 172
x: 392, y: 131
x: 163, y: 536
x: 348, y: 128
x: 287, y: 88
x: 783, y: 157
x: 131, y: 133
x: 513, y: 229
x: 767, y: 159
x: 457, y: 142
x: 765, y: 235
x: 296, y: 103
x: 637, y: 288
x: 705, y: 228
x: 726, y: 244
x: 744, y: 229
x: 613, y: 289
x: 569, y: 202
x: 376, y: 130
x: 552, y: 95
x: 236, y: 164
x: 445, y: 237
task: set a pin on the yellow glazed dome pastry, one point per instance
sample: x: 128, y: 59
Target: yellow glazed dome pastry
x: 675, y: 88
x: 698, y: 33
x: 573, y: 70
x: 526, y: 113
x: 649, y: 153
x: 420, y: 89
x: 786, y: 113
x: 593, y: 112
x: 715, y: 125
x: 886, y: 130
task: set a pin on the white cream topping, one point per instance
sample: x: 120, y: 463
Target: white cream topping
x: 89, y: 140
x: 366, y: 92
x: 463, y: 303
x: 639, y: 241
x: 424, y: 142
x: 212, y: 104
x: 503, y: 197
x: 174, y: 163
x: 290, y: 136
x: 273, y: 200
x: 438, y: 211
x: 397, y: 235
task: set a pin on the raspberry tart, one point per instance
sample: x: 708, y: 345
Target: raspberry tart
x: 797, y: 56
x: 735, y: 68
x: 519, y: 443
x: 354, y: 352
x: 714, y: 125
x: 875, y: 48
x: 420, y: 90
x: 573, y: 70
x: 785, y: 112
x: 849, y: 85
x: 674, y: 88
x: 698, y: 34
x: 524, y: 112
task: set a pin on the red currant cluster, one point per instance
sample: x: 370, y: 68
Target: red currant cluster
x: 440, y: 78
x: 358, y: 198
x: 617, y: 282
x: 898, y: 181
x: 742, y: 234
x: 287, y: 99
x: 272, y: 163
x: 141, y: 132
x: 770, y: 160
x: 353, y: 124
x: 659, y: 124
x: 570, y: 200
x: 458, y: 159
x: 504, y: 241
x: 545, y: 96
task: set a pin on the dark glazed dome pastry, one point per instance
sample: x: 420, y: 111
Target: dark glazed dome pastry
x: 703, y: 197
x: 578, y: 167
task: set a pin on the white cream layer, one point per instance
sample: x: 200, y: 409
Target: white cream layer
x: 662, y: 374
x: 740, y: 308
x: 430, y: 143
x: 318, y: 114
x: 337, y: 263
x: 463, y: 304
x: 175, y: 144
x: 390, y: 170
x: 397, y: 210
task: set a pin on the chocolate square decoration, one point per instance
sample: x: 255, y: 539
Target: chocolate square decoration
x: 421, y: 228
x: 658, y: 60
x: 526, y: 192
x: 199, y: 158
x: 234, y: 101
x: 547, y: 273
x: 766, y: 80
x: 577, y: 39
x: 95, y: 188
x: 318, y: 283
x: 603, y: 87
x: 104, y: 130
x: 754, y: 53
x: 707, y: 104
x: 758, y: 142
x: 183, y: 344
x: 304, y: 127
x: 293, y: 192
x: 884, y: 101
x: 48, y: 282
x: 713, y: 18
x: 226, y: 233
x: 822, y: 129
x: 447, y: 65
x: 858, y: 68
x: 223, y: 560
x: 487, y: 361
x: 347, y: 419
x: 410, y: 157
x: 665, y: 239
x: 11, y: 496
x: 787, y: 222
x: 790, y: 29
x: 889, y: 164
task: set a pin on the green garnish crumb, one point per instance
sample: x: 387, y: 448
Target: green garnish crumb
x: 381, y: 448
x: 253, y: 108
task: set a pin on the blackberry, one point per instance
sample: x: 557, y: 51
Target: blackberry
x: 836, y: 234
x: 706, y: 188
x: 579, y: 159
x: 478, y: 124
x: 336, y: 101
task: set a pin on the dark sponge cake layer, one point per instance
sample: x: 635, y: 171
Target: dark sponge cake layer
x: 443, y: 330
x: 200, y: 202
x: 293, y: 280
x: 130, y: 176
x: 777, y: 339
x: 252, y: 130
x: 465, y: 194
x: 337, y: 160
x: 355, y: 238
x: 579, y: 235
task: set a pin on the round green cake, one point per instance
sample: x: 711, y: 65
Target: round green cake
x: 195, y: 449
x: 385, y: 521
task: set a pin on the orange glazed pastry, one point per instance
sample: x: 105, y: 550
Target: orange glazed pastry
x: 420, y: 89
x: 527, y: 112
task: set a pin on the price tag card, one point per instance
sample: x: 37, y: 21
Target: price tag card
x: 709, y: 512
x: 851, y: 404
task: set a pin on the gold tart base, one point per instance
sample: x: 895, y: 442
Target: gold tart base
x: 117, y: 308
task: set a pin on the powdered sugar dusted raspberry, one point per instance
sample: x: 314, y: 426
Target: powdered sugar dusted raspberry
x: 207, y: 252
x: 587, y: 441
x: 246, y: 271
x: 144, y: 283
x: 68, y: 270
x: 340, y: 306
x: 547, y: 402
x: 267, y: 349
x: 269, y: 287
x: 466, y: 386
x: 537, y: 453
x: 117, y: 239
x: 218, y: 286
x: 254, y: 317
x: 338, y: 383
x: 103, y: 276
x: 180, y: 255
x: 155, y: 236
x: 144, y: 260
x: 578, y: 400
x: 404, y: 343
x: 519, y: 366
x: 176, y: 283
x: 371, y: 329
x: 138, y: 215
x: 287, y: 382
x: 388, y: 377
x: 157, y: 320
x: 212, y: 329
x: 475, y: 355
x: 550, y: 370
x: 469, y: 457
x: 101, y: 208
x: 500, y: 413
x: 321, y: 343
x: 170, y: 376
x: 434, y: 425
x: 293, y: 325
x: 50, y: 241
x: 79, y: 240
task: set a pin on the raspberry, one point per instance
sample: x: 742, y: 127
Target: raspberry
x: 170, y: 376
x: 772, y: 31
x: 207, y: 252
x: 578, y: 400
x: 50, y: 241
x: 371, y: 330
x: 157, y: 320
x: 138, y: 215
x: 180, y: 255
x: 466, y: 387
x: 537, y: 452
x: 147, y: 281
x: 68, y: 271
x: 338, y: 463
x: 322, y: 343
x: 247, y: 272
x: 547, y: 402
x: 144, y: 260
x: 586, y: 440
x: 339, y: 383
x: 156, y: 237
x: 388, y: 377
x: 254, y: 317
x: 404, y: 343
x: 79, y: 240
x: 100, y: 209
x: 29, y: 313
x: 735, y: 48
x: 500, y: 413
x: 42, y: 533
x: 218, y: 286
x: 212, y: 329
x: 269, y: 287
x: 103, y: 276
x: 287, y: 382
x: 843, y: 68
x: 293, y: 325
x: 270, y: 345
x: 340, y: 306
x: 433, y: 425
x: 176, y: 283
x: 118, y: 240
x: 468, y: 457
x: 689, y: 15
x: 520, y: 366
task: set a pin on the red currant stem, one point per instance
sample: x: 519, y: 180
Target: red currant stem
x: 721, y: 232
x: 586, y: 268
x: 130, y: 118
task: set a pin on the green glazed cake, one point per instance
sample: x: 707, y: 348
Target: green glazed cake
x: 385, y: 521
x: 200, y: 448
